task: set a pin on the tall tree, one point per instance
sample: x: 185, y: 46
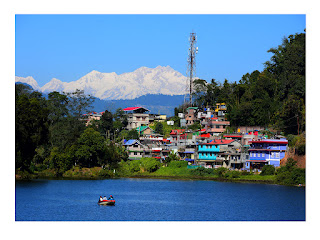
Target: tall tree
x: 31, y: 127
x: 106, y: 124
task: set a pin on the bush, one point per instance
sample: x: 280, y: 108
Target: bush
x: 232, y: 174
x: 290, y: 174
x: 104, y: 173
x: 245, y: 173
x: 201, y: 171
x: 178, y: 164
x: 292, y: 139
x: 150, y: 164
x: 268, y: 170
x: 172, y: 157
x: 301, y: 149
x: 134, y: 166
x: 221, y: 171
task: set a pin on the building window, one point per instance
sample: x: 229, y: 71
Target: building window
x: 277, y: 155
x: 258, y: 154
x: 263, y: 155
x: 254, y: 155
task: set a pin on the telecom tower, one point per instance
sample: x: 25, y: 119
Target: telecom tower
x: 191, y: 69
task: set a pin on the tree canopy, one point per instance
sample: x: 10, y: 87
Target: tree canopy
x: 274, y: 97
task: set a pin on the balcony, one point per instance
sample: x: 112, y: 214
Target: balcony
x: 207, y: 156
x: 135, y: 149
x: 206, y: 148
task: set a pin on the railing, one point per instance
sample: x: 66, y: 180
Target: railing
x: 206, y: 157
x: 206, y: 149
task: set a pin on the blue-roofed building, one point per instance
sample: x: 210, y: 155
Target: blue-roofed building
x: 135, y: 149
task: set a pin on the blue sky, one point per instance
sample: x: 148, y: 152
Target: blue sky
x: 69, y: 46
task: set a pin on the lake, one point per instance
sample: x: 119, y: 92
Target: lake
x: 157, y: 200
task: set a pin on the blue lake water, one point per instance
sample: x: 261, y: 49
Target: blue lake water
x: 157, y: 200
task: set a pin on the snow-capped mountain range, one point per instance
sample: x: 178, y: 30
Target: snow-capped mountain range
x: 110, y: 86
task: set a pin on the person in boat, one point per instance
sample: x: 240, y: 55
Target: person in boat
x: 110, y: 198
x: 104, y: 198
x: 100, y: 199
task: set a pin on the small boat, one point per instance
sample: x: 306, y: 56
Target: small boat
x: 105, y: 201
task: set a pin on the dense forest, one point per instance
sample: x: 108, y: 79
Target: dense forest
x: 274, y: 97
x: 51, y: 132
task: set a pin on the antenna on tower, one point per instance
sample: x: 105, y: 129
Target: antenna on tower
x: 191, y: 69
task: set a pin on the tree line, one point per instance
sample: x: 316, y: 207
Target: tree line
x: 51, y: 132
x: 274, y: 97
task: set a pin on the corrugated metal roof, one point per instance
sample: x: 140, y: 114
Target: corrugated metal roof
x: 142, y: 128
x: 131, y: 141
x: 133, y: 108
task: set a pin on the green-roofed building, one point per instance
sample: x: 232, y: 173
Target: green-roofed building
x: 144, y: 130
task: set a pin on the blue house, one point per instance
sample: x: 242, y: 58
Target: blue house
x: 211, y: 153
x: 266, y: 151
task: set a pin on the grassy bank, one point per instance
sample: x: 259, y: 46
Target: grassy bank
x: 150, y: 168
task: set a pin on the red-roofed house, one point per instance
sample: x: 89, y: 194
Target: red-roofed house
x: 220, y: 153
x: 92, y: 116
x: 177, y: 135
x: 137, y: 117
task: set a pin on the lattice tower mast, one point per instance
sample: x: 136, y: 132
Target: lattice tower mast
x: 191, y: 69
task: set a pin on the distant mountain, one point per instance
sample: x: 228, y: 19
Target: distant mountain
x: 156, y: 103
x: 29, y: 81
x: 110, y: 86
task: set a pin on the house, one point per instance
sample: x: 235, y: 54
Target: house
x: 92, y: 116
x: 157, y: 118
x: 170, y: 123
x: 135, y: 149
x: 160, y: 118
x: 137, y: 116
x: 220, y: 153
x: 235, y: 136
x: 247, y: 129
x: 178, y: 136
x: 144, y: 130
x: 266, y: 151
x: 155, y: 146
x: 220, y: 111
x: 216, y: 126
x: 191, y: 115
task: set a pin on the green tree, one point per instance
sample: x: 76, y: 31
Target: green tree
x: 171, y: 158
x: 58, y: 123
x: 268, y: 170
x: 58, y: 161
x: 31, y: 125
x: 159, y: 128
x: 132, y: 134
x: 120, y: 121
x: 150, y: 164
x: 91, y: 148
x: 68, y: 118
x: 106, y: 124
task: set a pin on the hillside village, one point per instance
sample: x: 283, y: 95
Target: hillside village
x: 211, y: 146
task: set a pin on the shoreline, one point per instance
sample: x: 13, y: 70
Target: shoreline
x: 145, y: 176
